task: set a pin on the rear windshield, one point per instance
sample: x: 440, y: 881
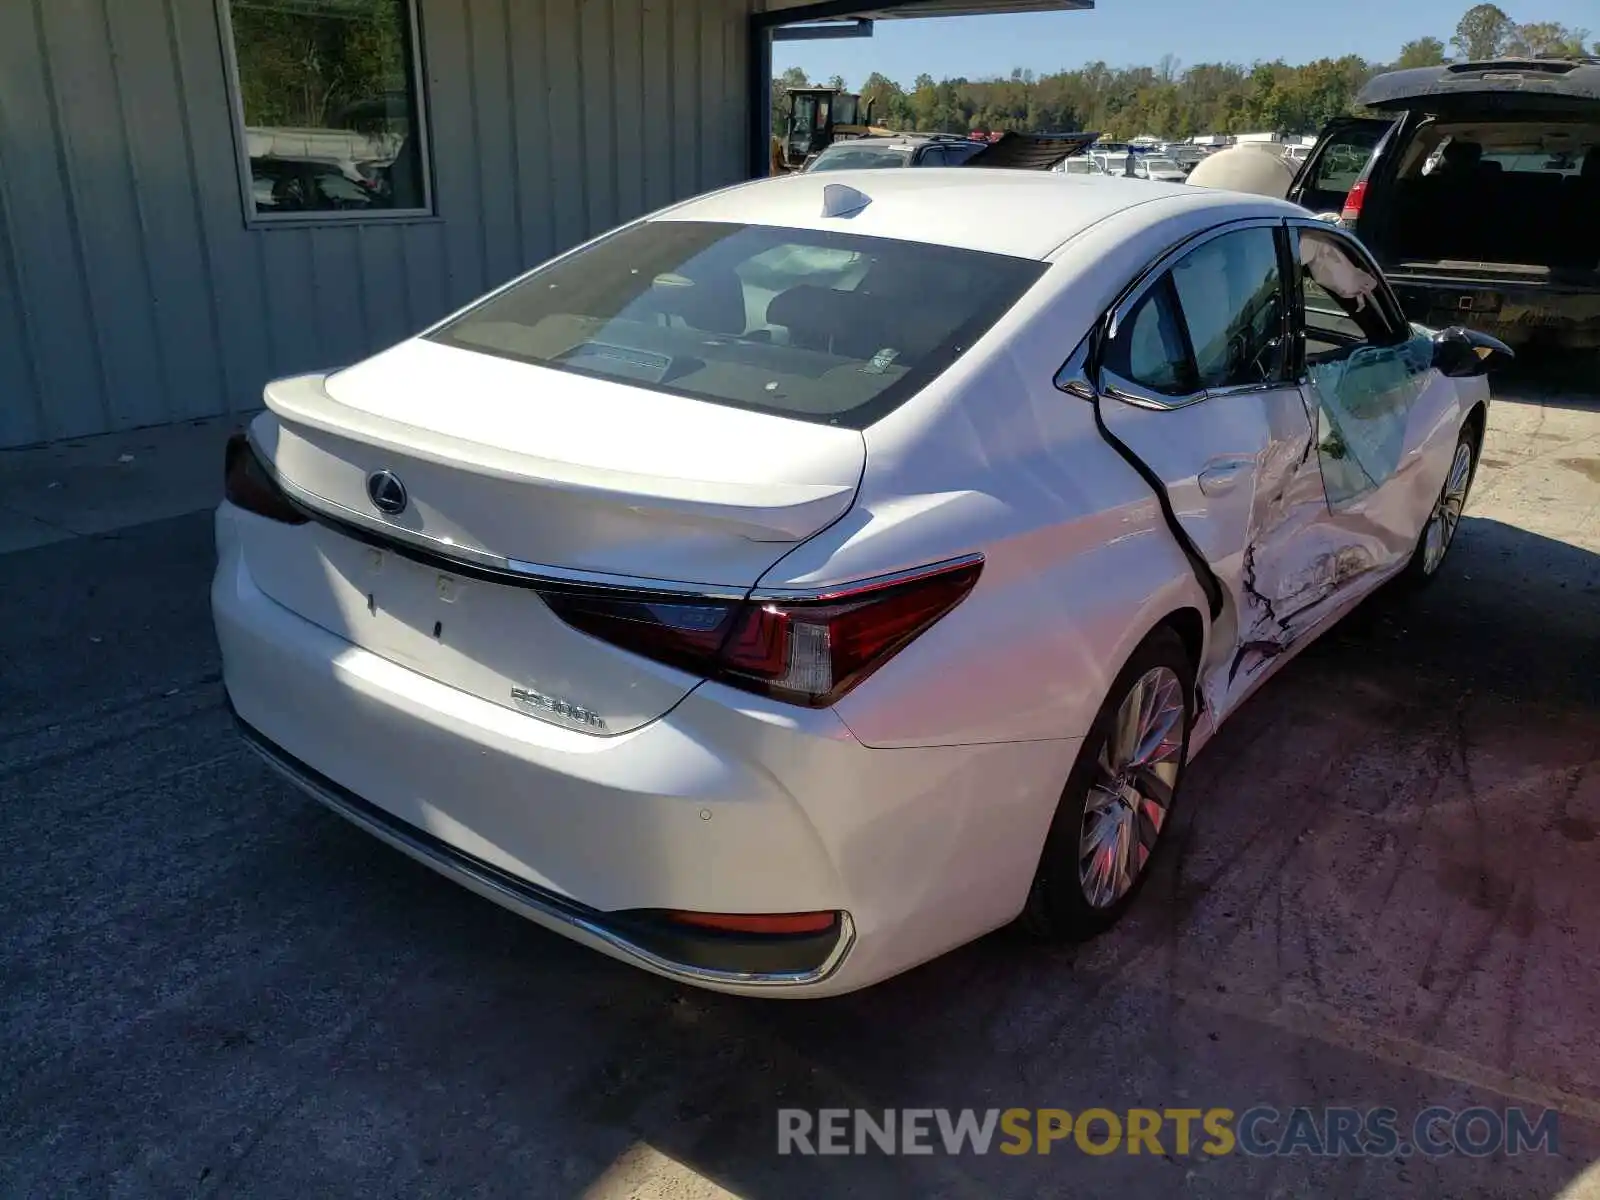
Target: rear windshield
x: 861, y: 158
x: 823, y: 326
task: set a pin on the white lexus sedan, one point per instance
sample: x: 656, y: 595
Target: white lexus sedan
x: 801, y: 581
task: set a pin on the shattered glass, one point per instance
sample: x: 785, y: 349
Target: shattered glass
x: 1363, y: 401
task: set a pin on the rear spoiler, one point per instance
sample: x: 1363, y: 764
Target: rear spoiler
x: 1031, y: 151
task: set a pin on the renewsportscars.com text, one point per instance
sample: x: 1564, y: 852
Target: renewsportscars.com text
x: 1261, y: 1131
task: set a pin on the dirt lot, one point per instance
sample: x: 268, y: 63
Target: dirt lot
x: 1383, y: 893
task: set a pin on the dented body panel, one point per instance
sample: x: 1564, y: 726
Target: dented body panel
x: 915, y: 805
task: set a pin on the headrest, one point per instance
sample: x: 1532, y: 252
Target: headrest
x: 714, y: 302
x: 817, y: 311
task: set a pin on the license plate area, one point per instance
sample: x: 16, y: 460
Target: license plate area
x: 1469, y: 303
x: 415, y: 615
x: 494, y: 641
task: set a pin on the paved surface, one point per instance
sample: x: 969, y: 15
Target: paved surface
x: 98, y: 485
x: 1383, y: 894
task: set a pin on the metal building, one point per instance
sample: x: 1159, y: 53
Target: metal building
x: 199, y: 195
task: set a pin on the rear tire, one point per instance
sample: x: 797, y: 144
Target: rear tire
x: 1119, y: 798
x: 1439, y: 533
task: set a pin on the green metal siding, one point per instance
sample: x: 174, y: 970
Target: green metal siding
x: 132, y: 292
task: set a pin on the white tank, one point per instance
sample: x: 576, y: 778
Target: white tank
x: 1254, y: 167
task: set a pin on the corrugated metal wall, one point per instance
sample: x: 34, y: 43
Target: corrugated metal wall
x: 131, y: 291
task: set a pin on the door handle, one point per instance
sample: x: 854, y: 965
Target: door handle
x: 1222, y: 478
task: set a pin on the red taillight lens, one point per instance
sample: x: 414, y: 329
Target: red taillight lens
x: 247, y: 483
x: 807, y: 651
x: 1354, y: 201
x: 684, y: 633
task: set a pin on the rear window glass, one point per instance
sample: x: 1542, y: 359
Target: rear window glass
x: 823, y: 326
x: 860, y: 158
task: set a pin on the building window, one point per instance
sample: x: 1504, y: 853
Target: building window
x: 329, y: 109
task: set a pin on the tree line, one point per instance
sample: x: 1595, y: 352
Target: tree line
x: 1170, y: 100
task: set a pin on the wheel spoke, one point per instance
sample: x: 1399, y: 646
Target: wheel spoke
x: 1125, y: 843
x: 1125, y: 743
x: 1151, y: 786
x: 1459, y: 470
x: 1097, y: 869
x: 1152, y: 817
x: 1097, y: 821
x: 1162, y: 734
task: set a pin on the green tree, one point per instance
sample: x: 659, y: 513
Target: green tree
x: 792, y: 77
x: 1424, y: 52
x: 1545, y: 39
x: 1169, y: 101
x: 312, y: 69
x: 1482, y: 32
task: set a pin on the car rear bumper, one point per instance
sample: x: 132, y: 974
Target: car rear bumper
x: 728, y: 804
x: 698, y: 957
x: 1516, y: 311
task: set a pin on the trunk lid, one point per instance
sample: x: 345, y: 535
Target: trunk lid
x: 521, y: 473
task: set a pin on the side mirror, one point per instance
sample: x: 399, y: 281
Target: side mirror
x: 1459, y: 352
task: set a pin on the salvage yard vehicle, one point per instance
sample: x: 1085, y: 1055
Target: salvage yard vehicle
x: 1028, y: 151
x: 897, y: 150
x: 1478, y: 191
x: 801, y: 581
x: 1161, y: 170
x: 816, y: 118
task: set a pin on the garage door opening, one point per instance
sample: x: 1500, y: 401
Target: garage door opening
x: 824, y: 108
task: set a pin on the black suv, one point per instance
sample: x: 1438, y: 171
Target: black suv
x: 1478, y: 192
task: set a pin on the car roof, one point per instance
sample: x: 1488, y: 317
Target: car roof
x: 901, y: 139
x: 1026, y: 214
x: 1575, y: 79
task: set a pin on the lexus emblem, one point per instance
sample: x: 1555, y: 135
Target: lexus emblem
x: 387, y: 493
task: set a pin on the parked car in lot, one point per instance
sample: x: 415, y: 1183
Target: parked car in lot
x: 801, y: 581
x: 901, y: 150
x: 1080, y: 164
x: 1162, y: 170
x: 1477, y: 191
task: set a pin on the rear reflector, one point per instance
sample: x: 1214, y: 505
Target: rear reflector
x: 812, y: 922
x: 807, y: 651
x: 248, y: 484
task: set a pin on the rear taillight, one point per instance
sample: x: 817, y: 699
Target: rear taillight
x: 1353, y: 202
x: 809, y: 650
x: 248, y: 484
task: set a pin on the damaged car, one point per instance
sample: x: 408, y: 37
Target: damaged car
x: 1476, y: 186
x: 801, y: 581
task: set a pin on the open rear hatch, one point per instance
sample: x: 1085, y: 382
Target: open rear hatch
x: 461, y: 499
x: 1481, y: 88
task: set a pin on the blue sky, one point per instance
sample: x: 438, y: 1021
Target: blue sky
x: 1133, y: 32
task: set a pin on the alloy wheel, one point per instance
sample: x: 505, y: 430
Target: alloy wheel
x: 1446, y: 514
x: 1131, y: 795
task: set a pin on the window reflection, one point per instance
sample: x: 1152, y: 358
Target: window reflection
x: 330, y: 105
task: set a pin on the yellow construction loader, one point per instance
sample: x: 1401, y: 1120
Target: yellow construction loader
x: 813, y: 119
